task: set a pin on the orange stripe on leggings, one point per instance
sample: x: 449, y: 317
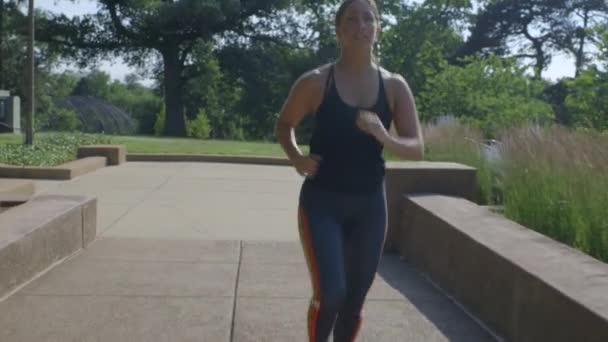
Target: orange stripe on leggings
x: 305, y: 239
x: 356, y: 331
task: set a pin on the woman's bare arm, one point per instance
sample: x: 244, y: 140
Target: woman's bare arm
x: 408, y: 143
x: 302, y: 100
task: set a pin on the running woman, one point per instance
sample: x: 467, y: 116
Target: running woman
x: 342, y: 204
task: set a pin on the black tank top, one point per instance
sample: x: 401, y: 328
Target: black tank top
x: 352, y: 160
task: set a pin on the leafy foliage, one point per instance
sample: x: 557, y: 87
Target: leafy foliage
x: 491, y: 93
x: 171, y: 29
x: 588, y: 99
x: 198, y: 127
x: 423, y: 36
x: 50, y: 149
x: 239, y: 64
x: 552, y: 180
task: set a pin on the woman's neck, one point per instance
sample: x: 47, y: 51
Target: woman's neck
x: 355, y: 63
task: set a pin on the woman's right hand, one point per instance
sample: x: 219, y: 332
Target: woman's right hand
x: 307, y: 166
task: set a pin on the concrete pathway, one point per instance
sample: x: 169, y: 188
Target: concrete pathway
x: 206, y: 252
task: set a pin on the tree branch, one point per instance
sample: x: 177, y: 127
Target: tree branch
x: 85, y: 45
x: 186, y: 51
x: 527, y: 34
x: 266, y: 38
x: 524, y: 55
x: 190, y: 71
x: 117, y: 23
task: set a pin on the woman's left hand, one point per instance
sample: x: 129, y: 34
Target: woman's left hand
x: 370, y: 123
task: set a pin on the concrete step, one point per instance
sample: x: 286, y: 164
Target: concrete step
x: 36, y: 235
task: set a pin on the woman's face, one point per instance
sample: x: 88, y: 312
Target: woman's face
x: 358, y: 27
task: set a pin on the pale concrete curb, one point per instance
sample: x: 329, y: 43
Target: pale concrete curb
x: 90, y: 158
x: 65, y: 171
x: 116, y: 154
x: 156, y: 157
x: 44, y: 230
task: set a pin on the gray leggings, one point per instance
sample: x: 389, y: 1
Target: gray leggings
x: 342, y: 236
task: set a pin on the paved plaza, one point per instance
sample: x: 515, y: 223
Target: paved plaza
x: 206, y: 252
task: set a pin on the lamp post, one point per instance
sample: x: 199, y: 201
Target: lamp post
x: 29, y: 115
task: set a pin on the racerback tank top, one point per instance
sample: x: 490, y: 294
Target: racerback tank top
x: 352, y: 160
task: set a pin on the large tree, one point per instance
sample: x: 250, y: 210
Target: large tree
x: 578, y: 29
x: 137, y: 29
x: 535, y: 29
x: 12, y: 23
x: 421, y: 38
x: 522, y: 29
x: 6, y: 7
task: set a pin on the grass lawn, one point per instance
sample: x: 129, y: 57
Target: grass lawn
x: 10, y: 139
x: 148, y: 144
x: 140, y: 144
x: 151, y: 144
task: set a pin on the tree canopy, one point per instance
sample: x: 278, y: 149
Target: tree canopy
x: 222, y: 68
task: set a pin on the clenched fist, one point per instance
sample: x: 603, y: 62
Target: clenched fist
x: 370, y: 123
x: 307, y: 165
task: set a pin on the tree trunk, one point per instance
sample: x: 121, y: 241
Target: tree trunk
x: 580, y: 52
x: 31, y: 104
x: 541, y: 61
x: 1, y: 44
x: 175, y: 124
x: 541, y: 58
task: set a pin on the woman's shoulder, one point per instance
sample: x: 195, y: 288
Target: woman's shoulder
x: 392, y: 78
x: 316, y: 76
x: 395, y: 83
x: 312, y: 82
x: 396, y: 86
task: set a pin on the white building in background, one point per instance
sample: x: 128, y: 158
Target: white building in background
x: 10, y: 113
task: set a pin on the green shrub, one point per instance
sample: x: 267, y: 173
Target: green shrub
x: 50, y: 117
x: 199, y: 127
x: 452, y: 141
x: 556, y: 182
x: 49, y: 149
x: 492, y: 93
x: 64, y: 120
x: 588, y: 99
x: 553, y: 180
x: 159, y: 124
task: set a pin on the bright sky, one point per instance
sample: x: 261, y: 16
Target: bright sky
x: 561, y: 65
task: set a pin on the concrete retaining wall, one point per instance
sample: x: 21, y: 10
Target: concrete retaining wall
x: 116, y: 154
x: 90, y: 158
x: 65, y: 171
x: 525, y: 286
x: 416, y: 177
x: 46, y: 229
